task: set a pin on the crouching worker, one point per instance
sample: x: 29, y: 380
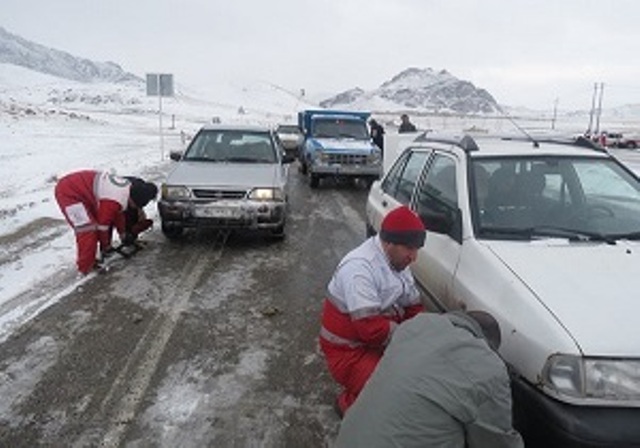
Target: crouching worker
x: 370, y: 293
x: 93, y: 202
x: 439, y: 384
x: 133, y: 221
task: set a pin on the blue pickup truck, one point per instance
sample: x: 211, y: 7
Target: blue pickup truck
x: 337, y: 144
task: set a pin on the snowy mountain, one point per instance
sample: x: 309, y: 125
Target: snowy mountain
x: 38, y: 81
x: 18, y: 51
x: 419, y: 89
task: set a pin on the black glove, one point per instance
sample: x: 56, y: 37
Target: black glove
x: 128, y: 239
x: 106, y: 254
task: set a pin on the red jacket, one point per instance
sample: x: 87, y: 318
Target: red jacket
x: 104, y: 197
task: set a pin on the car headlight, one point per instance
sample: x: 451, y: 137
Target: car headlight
x: 593, y: 379
x: 175, y: 192
x: 320, y: 156
x: 267, y: 194
x: 375, y: 157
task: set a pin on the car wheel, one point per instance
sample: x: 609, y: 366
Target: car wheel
x: 303, y: 167
x: 314, y: 181
x: 632, y: 145
x: 370, y: 231
x: 369, y: 181
x: 278, y: 233
x: 171, y: 232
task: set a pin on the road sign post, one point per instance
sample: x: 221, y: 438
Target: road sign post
x: 160, y: 84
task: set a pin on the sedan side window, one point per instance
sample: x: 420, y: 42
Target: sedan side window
x: 403, y: 178
x: 437, y: 198
x: 440, y: 184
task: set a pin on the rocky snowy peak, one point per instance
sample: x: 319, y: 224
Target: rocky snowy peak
x: 420, y: 89
x: 18, y: 51
x: 416, y: 78
x: 346, y: 97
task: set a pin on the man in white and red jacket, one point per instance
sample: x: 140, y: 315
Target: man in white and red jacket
x: 370, y: 293
x: 93, y: 203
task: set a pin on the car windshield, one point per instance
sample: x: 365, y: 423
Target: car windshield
x: 339, y: 128
x: 231, y: 146
x: 579, y: 198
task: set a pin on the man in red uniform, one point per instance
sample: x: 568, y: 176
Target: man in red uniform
x: 93, y: 203
x: 370, y: 293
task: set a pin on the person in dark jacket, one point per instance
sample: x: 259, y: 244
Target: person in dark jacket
x: 406, y: 125
x: 439, y: 384
x: 377, y: 133
x: 134, y: 220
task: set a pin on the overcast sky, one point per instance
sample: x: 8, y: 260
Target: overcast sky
x: 524, y: 52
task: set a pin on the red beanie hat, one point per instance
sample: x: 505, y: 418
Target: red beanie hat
x: 403, y: 226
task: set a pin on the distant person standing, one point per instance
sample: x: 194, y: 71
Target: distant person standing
x: 406, y: 125
x: 377, y: 133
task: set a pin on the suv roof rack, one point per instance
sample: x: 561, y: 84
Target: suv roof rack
x: 580, y: 141
x: 467, y: 143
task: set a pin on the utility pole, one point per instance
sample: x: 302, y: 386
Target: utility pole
x: 555, y: 113
x: 593, y: 106
x: 599, y: 108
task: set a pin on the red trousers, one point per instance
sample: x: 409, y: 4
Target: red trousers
x: 351, y: 368
x: 84, y: 226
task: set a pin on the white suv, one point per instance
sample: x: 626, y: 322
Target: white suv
x: 544, y: 236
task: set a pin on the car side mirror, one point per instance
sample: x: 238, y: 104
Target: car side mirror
x: 439, y: 222
x: 175, y: 155
x: 447, y: 222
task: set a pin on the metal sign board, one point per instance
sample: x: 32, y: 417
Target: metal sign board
x: 159, y: 84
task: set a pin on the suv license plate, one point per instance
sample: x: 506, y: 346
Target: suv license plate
x: 216, y: 212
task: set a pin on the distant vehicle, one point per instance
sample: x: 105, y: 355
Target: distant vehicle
x: 290, y: 137
x: 630, y: 141
x: 619, y: 140
x: 612, y: 139
x: 228, y: 178
x: 546, y: 238
x: 337, y: 144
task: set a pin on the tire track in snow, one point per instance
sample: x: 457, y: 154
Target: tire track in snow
x: 129, y: 388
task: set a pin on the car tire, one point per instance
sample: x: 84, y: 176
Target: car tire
x: 370, y: 231
x: 278, y: 234
x: 303, y: 167
x: 171, y: 232
x: 314, y: 180
x: 369, y: 181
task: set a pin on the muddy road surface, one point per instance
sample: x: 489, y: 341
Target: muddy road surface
x: 204, y: 342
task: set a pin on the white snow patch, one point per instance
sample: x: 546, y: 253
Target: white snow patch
x: 20, y: 375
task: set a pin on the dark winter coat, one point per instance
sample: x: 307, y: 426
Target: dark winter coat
x: 438, y: 385
x: 377, y: 134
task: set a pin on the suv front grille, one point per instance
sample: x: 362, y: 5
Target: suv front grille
x: 348, y: 159
x: 219, y: 194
